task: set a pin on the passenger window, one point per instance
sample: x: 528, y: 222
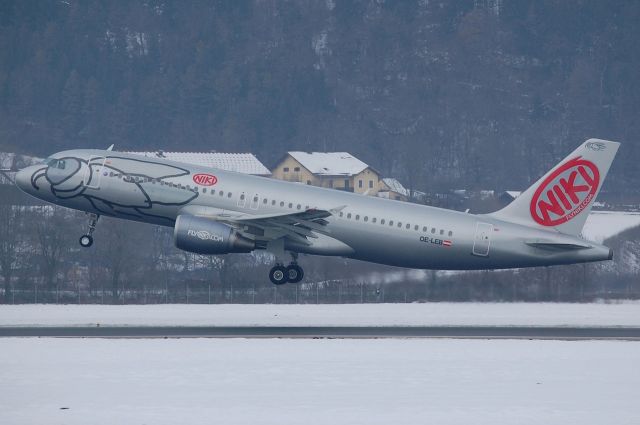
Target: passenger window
x: 273, y: 202
x: 433, y: 230
x: 229, y: 195
x: 424, y: 229
x: 357, y: 217
x: 204, y: 190
x: 290, y: 205
x: 373, y: 220
x: 450, y: 233
x: 255, y: 199
x: 366, y: 218
x: 242, y: 197
x: 408, y: 226
x: 382, y: 221
x: 416, y: 228
x: 264, y: 201
x: 281, y: 203
x: 221, y: 193
x: 341, y: 213
x: 390, y: 222
x: 399, y: 224
x: 442, y: 231
x: 299, y: 206
x: 349, y: 215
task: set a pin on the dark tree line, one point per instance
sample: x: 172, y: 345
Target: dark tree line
x: 475, y: 94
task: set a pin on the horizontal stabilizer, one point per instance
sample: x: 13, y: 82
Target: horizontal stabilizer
x: 557, y: 246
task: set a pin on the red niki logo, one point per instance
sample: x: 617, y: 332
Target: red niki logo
x: 205, y: 179
x: 565, y: 193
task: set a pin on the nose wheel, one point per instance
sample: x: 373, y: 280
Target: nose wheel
x: 87, y: 240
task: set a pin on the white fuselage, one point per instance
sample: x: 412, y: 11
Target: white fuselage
x: 155, y: 190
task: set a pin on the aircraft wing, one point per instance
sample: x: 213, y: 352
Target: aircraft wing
x: 298, y: 226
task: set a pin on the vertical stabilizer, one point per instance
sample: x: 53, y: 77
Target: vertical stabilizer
x: 563, y: 197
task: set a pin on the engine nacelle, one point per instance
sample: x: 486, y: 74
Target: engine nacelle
x: 205, y: 236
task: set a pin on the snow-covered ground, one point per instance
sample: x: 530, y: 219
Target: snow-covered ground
x: 236, y: 381
x: 602, y: 225
x: 429, y: 314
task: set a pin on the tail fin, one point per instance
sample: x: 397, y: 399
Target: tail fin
x: 563, y: 197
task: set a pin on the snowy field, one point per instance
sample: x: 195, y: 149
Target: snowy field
x: 601, y: 225
x: 266, y: 381
x: 428, y: 314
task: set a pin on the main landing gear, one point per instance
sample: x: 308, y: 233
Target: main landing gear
x: 87, y: 240
x: 280, y: 274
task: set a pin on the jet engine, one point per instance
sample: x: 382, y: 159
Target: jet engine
x: 205, y: 236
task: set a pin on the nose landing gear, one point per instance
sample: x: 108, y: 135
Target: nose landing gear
x: 87, y: 240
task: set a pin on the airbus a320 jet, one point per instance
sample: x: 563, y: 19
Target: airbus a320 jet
x: 220, y: 212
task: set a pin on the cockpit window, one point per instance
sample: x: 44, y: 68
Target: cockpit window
x: 55, y: 163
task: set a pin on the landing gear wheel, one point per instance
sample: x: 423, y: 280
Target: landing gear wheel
x: 294, y: 273
x: 278, y: 275
x: 86, y: 241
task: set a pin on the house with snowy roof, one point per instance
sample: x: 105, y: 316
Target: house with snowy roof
x: 392, y: 189
x: 335, y: 170
x: 245, y: 163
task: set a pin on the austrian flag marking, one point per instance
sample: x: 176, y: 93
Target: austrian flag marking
x: 565, y: 193
x: 205, y: 179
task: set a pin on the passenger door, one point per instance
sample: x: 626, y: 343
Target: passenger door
x: 482, y: 239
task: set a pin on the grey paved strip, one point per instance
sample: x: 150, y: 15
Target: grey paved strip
x: 480, y: 332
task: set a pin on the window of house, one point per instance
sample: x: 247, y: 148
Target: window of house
x: 309, y: 182
x: 346, y: 183
x: 331, y: 184
x: 370, y: 184
x: 360, y: 184
x: 285, y: 169
x: 296, y: 169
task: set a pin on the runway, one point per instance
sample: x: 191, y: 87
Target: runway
x: 353, y: 332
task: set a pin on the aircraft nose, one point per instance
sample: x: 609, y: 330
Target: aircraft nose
x: 23, y: 178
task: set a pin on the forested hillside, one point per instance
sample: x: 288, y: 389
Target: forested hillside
x: 476, y: 93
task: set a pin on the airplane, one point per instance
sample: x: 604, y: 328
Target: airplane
x: 215, y: 211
